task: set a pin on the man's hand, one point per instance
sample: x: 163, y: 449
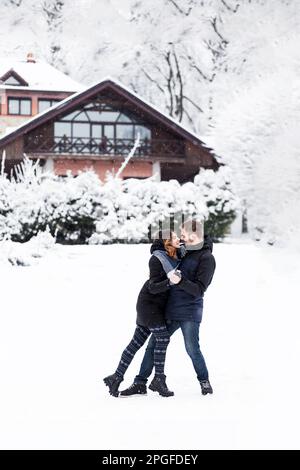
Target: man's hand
x: 174, y: 278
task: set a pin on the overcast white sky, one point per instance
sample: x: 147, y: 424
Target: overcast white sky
x: 122, y: 6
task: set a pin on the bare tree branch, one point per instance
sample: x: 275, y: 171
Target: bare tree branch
x: 216, y: 50
x: 210, y: 79
x: 152, y: 80
x: 180, y: 97
x: 132, y: 86
x: 234, y: 10
x: 160, y: 71
x: 214, y: 25
x: 193, y: 103
x: 17, y: 3
x: 169, y: 82
x: 180, y: 9
x: 189, y: 117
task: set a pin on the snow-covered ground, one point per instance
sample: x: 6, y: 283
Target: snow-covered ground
x: 65, y: 321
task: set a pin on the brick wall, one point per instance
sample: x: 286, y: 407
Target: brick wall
x: 134, y: 169
x: 7, y: 120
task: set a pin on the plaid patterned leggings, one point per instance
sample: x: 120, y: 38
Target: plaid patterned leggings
x: 141, y: 334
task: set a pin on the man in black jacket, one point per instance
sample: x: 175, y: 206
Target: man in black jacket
x: 185, y: 305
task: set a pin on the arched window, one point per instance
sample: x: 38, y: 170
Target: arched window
x: 99, y: 129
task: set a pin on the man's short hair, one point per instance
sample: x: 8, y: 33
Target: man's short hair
x: 194, y: 226
x: 164, y: 234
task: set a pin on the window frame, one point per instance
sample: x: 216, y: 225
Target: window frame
x: 53, y: 101
x: 18, y: 99
x: 15, y: 83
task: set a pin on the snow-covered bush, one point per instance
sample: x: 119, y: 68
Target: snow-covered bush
x: 28, y: 214
x: 26, y: 254
x: 132, y: 206
x: 6, y: 199
x: 216, y: 190
x: 75, y: 206
x: 33, y: 201
x: 86, y: 210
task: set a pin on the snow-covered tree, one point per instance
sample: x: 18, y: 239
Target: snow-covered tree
x: 227, y: 69
x: 255, y: 127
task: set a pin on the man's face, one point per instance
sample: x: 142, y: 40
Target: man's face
x: 184, y: 236
x: 189, y: 238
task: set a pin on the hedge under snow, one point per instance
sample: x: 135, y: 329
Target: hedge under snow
x: 87, y: 210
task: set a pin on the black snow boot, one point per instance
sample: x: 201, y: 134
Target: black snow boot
x: 134, y: 389
x: 159, y: 385
x: 206, y: 387
x: 113, y: 381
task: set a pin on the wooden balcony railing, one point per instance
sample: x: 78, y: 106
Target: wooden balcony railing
x: 104, y: 146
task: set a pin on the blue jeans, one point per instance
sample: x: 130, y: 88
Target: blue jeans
x: 190, y: 331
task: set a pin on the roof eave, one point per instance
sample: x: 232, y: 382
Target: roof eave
x: 77, y: 97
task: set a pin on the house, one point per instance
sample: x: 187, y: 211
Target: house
x: 97, y: 127
x: 28, y: 87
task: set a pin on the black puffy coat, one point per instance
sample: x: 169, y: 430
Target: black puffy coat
x: 185, y: 302
x: 153, y: 296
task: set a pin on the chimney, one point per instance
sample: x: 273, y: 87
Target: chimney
x: 30, y: 57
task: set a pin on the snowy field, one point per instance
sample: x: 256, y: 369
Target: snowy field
x: 65, y: 321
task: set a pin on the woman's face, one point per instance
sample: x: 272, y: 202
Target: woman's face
x: 175, y: 240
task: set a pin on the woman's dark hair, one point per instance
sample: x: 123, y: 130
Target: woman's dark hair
x: 171, y: 250
x: 166, y: 237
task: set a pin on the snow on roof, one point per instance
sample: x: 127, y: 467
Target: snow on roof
x: 61, y: 104
x: 9, y: 130
x: 39, y: 75
x: 34, y: 118
x: 167, y: 116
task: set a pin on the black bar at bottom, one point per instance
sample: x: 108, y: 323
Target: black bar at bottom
x: 103, y: 458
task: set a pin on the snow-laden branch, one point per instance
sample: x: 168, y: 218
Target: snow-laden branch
x: 3, y: 162
x: 129, y: 156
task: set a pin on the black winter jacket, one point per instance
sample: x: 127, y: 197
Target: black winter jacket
x: 185, y: 301
x: 153, y: 296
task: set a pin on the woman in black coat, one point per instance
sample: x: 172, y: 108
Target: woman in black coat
x: 150, y: 308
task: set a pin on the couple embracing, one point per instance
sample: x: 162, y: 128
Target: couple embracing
x: 170, y: 299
